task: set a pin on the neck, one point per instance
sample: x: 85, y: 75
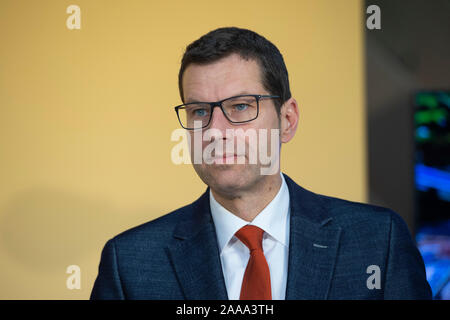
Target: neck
x: 248, y: 204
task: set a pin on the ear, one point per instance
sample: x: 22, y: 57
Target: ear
x: 289, y: 116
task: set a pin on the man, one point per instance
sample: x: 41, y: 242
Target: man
x: 253, y: 234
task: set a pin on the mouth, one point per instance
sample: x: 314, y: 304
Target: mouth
x: 225, y: 159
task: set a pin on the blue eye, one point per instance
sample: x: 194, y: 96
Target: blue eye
x: 241, y: 107
x: 200, y: 112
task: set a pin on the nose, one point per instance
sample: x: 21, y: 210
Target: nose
x: 218, y: 120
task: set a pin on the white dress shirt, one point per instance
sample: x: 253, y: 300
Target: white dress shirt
x: 234, y: 255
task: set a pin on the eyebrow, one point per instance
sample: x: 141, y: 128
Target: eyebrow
x: 190, y: 100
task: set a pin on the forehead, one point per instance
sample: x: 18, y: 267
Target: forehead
x: 229, y: 76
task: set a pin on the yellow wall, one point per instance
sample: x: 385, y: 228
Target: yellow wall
x: 86, y: 117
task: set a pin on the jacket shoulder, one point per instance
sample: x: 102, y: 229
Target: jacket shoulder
x: 156, y: 230
x: 342, y: 212
x: 349, y: 213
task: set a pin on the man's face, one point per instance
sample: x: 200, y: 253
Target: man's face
x: 228, y: 77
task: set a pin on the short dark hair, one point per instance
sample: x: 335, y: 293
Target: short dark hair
x: 223, y: 42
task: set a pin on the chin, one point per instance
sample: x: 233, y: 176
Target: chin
x: 226, y: 178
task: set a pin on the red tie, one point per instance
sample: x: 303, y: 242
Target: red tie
x: 256, y: 283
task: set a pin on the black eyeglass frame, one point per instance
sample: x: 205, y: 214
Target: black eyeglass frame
x: 219, y: 104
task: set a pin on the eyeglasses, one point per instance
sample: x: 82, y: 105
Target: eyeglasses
x: 237, y: 109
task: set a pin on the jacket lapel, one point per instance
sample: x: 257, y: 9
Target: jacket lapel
x: 195, y: 255
x: 313, y: 246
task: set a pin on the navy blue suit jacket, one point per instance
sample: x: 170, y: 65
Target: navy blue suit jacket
x: 332, y: 243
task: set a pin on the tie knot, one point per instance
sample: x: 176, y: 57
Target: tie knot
x: 251, y: 236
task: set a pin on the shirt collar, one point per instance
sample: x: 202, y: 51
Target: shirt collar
x: 273, y: 219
